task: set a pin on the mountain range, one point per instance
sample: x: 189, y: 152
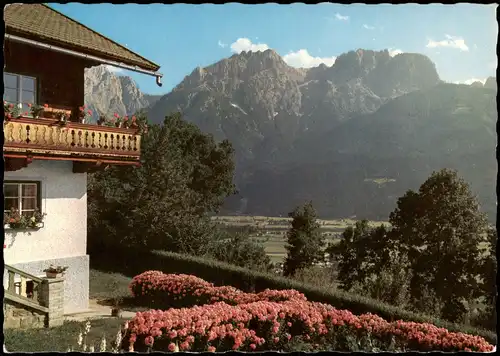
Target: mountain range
x: 351, y: 137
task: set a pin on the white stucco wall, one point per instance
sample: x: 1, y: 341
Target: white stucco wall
x: 64, y: 200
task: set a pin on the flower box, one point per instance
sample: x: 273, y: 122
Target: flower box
x: 54, y: 274
x: 50, y: 112
x: 36, y: 227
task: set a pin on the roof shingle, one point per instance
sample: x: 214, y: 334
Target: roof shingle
x: 48, y: 25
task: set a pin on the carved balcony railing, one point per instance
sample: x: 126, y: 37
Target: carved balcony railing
x: 28, y: 138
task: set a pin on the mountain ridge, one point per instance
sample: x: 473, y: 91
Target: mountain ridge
x: 281, y: 118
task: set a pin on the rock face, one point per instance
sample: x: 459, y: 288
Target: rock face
x: 264, y: 107
x: 108, y: 93
x: 362, y: 166
x: 351, y: 137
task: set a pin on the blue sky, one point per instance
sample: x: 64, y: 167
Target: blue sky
x: 460, y: 39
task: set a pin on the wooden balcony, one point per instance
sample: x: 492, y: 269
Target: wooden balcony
x: 88, y: 146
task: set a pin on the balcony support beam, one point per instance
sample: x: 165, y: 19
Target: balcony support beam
x: 16, y: 163
x: 90, y: 167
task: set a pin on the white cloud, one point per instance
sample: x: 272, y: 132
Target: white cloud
x: 368, y: 27
x: 470, y: 81
x: 394, y: 52
x: 244, y: 44
x: 341, y: 17
x: 113, y: 69
x: 450, y: 41
x: 493, y: 64
x: 302, y: 59
x: 221, y: 44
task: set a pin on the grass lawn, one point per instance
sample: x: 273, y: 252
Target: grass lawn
x: 58, y: 339
x: 106, y: 287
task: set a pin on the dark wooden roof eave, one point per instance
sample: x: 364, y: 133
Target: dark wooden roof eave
x: 103, y: 55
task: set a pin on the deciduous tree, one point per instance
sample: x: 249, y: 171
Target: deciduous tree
x: 440, y: 228
x: 163, y: 204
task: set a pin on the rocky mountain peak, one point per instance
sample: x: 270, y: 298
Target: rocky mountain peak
x: 108, y: 93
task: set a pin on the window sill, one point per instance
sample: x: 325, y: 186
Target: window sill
x: 37, y: 227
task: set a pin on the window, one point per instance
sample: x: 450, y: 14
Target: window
x: 24, y: 196
x: 19, y: 89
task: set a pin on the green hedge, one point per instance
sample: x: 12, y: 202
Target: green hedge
x: 134, y: 262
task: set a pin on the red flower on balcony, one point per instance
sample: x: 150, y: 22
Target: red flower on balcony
x: 83, y: 115
x: 10, y: 110
x: 45, y: 106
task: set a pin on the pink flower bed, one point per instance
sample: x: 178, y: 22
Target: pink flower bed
x: 180, y: 290
x: 264, y: 325
x: 225, y: 318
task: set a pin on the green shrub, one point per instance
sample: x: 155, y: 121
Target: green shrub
x: 238, y: 248
x: 318, y: 276
x: 134, y: 262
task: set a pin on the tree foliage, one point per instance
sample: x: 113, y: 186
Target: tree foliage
x: 488, y: 272
x: 366, y: 264
x: 240, y: 249
x: 441, y: 229
x: 434, y: 242
x: 305, y: 242
x: 163, y: 204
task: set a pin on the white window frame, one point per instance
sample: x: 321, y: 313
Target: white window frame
x: 19, y: 89
x: 38, y: 195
